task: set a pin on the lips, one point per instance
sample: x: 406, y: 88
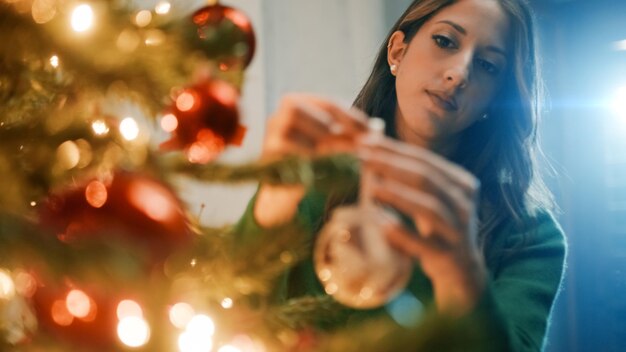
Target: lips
x: 443, y: 100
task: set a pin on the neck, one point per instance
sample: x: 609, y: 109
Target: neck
x: 440, y: 145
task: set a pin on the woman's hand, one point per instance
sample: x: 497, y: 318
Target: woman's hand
x: 441, y: 199
x: 303, y: 125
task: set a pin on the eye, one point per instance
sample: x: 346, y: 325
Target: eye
x: 444, y: 42
x: 487, y: 66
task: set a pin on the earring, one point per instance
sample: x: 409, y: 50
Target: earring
x: 485, y: 116
x: 393, y: 69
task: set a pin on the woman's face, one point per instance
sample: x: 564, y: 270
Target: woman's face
x: 448, y: 74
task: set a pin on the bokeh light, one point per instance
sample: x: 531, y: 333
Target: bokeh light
x: 78, y: 303
x: 185, y: 101
x: 129, y: 129
x: 191, y: 342
x: 406, y: 310
x: 7, y: 286
x: 153, y: 200
x: 68, y: 155
x: 82, y: 18
x: 128, y: 308
x: 181, y: 314
x: 143, y: 18
x: 59, y: 313
x: 54, y: 61
x: 133, y: 331
x: 202, y: 325
x: 100, y: 128
x: 227, y: 303
x: 169, y: 123
x: 96, y: 194
x: 25, y: 284
x: 163, y: 8
x: 228, y: 348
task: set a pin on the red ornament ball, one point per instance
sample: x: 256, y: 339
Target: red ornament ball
x: 224, y: 34
x: 86, y: 317
x: 130, y: 207
x: 203, y: 120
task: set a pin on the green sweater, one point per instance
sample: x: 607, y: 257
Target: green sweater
x: 525, y: 265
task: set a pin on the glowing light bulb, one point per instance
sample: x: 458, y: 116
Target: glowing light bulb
x: 100, y: 128
x: 163, y: 8
x: 181, y: 314
x: 78, y: 303
x: 129, y: 129
x: 128, y: 308
x: 133, y: 331
x: 54, y: 61
x: 82, y: 18
x: 7, y: 287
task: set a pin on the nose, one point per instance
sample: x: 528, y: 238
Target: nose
x: 457, y: 74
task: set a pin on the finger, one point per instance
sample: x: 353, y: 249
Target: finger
x: 432, y: 215
x: 412, y: 244
x: 307, y: 118
x: 421, y: 176
x: 445, y: 169
x: 352, y: 120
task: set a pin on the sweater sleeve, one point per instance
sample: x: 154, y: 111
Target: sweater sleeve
x: 517, y: 302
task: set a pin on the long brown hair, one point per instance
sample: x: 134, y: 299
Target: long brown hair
x: 500, y: 151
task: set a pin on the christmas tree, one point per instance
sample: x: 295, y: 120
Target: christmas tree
x: 97, y: 251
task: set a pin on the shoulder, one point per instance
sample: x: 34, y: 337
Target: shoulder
x: 532, y: 228
x: 535, y: 237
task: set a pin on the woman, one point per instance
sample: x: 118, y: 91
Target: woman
x: 458, y: 84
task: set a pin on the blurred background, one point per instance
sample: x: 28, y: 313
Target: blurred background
x: 327, y: 47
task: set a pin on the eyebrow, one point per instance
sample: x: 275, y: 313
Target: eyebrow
x: 462, y: 30
x: 456, y: 26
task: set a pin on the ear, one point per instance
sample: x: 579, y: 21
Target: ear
x: 396, y: 48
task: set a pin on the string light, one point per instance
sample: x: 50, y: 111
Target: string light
x: 82, y: 18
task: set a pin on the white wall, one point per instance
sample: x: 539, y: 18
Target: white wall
x: 323, y: 46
